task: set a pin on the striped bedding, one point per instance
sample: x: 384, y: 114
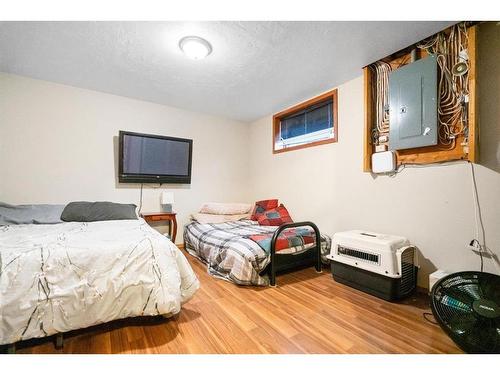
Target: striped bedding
x: 230, y: 253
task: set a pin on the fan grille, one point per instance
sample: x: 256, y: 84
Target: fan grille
x: 452, y: 302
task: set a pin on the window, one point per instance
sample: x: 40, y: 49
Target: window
x: 311, y: 123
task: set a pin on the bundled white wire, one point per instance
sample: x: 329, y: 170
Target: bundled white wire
x: 380, y: 93
x: 452, y: 88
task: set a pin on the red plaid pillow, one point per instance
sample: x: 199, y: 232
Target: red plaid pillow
x: 262, y: 206
x: 275, y: 217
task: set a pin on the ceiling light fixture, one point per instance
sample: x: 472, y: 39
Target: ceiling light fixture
x: 195, y: 47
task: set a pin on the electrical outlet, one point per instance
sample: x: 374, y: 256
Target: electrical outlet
x: 477, y: 249
x: 474, y: 246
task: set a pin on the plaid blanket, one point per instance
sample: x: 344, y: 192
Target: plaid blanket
x: 232, y: 254
x: 288, y: 241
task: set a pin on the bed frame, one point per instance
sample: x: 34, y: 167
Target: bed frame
x: 283, y: 262
x: 58, y: 343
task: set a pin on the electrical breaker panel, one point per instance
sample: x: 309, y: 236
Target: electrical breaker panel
x: 413, y: 105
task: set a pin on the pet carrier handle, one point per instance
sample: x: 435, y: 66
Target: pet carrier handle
x: 283, y: 227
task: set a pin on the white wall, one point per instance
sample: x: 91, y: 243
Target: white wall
x: 58, y: 144
x: 432, y: 206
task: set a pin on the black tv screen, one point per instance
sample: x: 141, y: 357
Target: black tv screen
x: 147, y: 158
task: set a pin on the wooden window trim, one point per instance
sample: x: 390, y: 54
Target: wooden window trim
x: 301, y: 106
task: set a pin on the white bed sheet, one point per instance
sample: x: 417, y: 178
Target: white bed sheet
x: 62, y: 277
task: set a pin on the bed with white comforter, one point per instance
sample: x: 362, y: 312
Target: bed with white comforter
x: 61, y: 277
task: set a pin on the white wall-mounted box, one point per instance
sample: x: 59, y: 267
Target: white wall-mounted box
x: 435, y: 277
x: 383, y: 162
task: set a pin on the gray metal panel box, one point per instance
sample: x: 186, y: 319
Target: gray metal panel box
x: 413, y: 105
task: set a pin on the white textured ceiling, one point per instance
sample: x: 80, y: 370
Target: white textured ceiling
x: 256, y: 68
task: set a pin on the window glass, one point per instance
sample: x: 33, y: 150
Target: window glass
x: 306, y: 125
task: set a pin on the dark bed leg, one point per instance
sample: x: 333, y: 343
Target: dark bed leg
x: 11, y: 349
x: 318, y: 266
x: 59, y: 343
x: 272, y: 273
x: 272, y: 278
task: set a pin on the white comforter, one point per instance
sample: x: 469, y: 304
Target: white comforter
x: 61, y: 277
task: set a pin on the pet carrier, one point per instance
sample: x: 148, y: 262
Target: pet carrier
x: 380, y: 264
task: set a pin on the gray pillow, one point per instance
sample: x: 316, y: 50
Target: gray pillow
x: 98, y: 211
x: 30, y: 213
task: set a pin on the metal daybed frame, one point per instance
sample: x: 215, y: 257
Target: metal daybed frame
x: 283, y: 262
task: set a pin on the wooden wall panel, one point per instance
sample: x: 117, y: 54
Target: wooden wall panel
x: 473, y: 103
x: 367, y: 142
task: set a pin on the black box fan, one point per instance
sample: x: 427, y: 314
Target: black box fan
x: 467, y: 307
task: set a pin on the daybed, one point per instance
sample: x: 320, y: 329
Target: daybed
x: 248, y: 253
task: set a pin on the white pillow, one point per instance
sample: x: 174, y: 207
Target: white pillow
x: 214, y: 219
x: 226, y: 208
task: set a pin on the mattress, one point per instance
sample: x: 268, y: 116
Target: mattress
x: 62, y: 277
x: 231, y: 254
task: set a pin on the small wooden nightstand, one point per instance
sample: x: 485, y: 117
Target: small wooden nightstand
x: 153, y: 217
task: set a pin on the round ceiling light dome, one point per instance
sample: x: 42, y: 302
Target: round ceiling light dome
x: 195, y: 47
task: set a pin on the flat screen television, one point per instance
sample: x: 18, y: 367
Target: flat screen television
x: 147, y: 158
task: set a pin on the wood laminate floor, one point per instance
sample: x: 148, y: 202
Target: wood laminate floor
x: 306, y: 313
